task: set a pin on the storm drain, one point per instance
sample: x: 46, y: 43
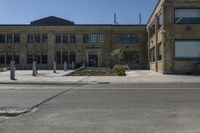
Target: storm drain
x: 14, y: 111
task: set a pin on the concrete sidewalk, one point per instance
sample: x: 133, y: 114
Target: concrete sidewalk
x: 135, y: 76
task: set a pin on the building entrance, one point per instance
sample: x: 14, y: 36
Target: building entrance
x: 93, y: 60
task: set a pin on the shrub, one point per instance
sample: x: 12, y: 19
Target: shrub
x: 120, y: 71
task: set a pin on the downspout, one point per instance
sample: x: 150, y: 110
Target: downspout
x: 156, y: 44
x: 163, y: 41
x: 148, y: 47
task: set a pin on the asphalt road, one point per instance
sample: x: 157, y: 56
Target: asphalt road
x: 112, y: 109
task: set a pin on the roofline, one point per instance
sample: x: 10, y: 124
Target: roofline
x: 74, y: 25
x: 32, y: 22
x: 109, y: 25
x: 153, y: 11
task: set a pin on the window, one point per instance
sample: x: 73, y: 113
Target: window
x: 2, y: 38
x: 65, y: 38
x: 9, y: 56
x: 2, y: 57
x: 72, y: 57
x: 37, y: 57
x: 72, y: 38
x: 9, y: 38
x: 30, y: 38
x: 159, y: 51
x: 37, y: 38
x: 187, y: 16
x: 64, y: 56
x: 16, y: 38
x: 152, y: 54
x: 58, y: 57
x: 187, y: 48
x: 152, y: 30
x: 100, y: 38
x: 160, y: 20
x: 16, y: 57
x: 44, y: 57
x: 86, y: 38
x: 122, y: 38
x: 44, y: 38
x: 58, y: 38
x: 93, y: 38
x: 29, y: 58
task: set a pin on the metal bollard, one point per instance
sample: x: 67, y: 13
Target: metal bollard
x: 12, y: 70
x: 83, y: 64
x: 34, y: 69
x: 54, y: 67
x: 65, y: 66
x: 73, y: 66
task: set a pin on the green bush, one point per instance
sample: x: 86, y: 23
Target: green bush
x: 120, y: 71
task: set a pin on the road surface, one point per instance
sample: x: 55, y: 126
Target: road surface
x: 106, y: 109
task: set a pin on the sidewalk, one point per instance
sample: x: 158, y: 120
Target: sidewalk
x: 136, y: 76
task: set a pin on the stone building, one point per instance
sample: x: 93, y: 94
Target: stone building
x: 174, y: 37
x: 168, y: 43
x: 54, y: 39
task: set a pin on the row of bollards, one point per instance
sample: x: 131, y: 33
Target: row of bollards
x: 34, y: 68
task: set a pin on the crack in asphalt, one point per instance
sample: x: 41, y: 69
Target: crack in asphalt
x: 6, y: 115
x: 29, y: 110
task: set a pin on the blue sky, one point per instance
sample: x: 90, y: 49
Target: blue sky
x: 79, y: 11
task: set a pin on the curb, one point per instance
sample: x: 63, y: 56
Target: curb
x: 45, y: 83
x: 100, y: 83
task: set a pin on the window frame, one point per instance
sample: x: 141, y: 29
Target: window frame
x: 45, y: 38
x: 3, y: 42
x: 8, y: 35
x: 72, y: 38
x: 56, y: 38
x: 29, y: 57
x: 184, y: 58
x: 160, y: 21
x: 65, y: 38
x: 126, y: 38
x: 3, y: 56
x: 100, y: 38
x: 30, y: 35
x: 37, y: 38
x: 159, y: 51
x: 154, y: 54
x: 16, y: 38
x: 174, y: 16
x: 93, y: 38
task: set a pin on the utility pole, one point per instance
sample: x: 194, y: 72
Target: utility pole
x: 115, y: 19
x: 140, y: 18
